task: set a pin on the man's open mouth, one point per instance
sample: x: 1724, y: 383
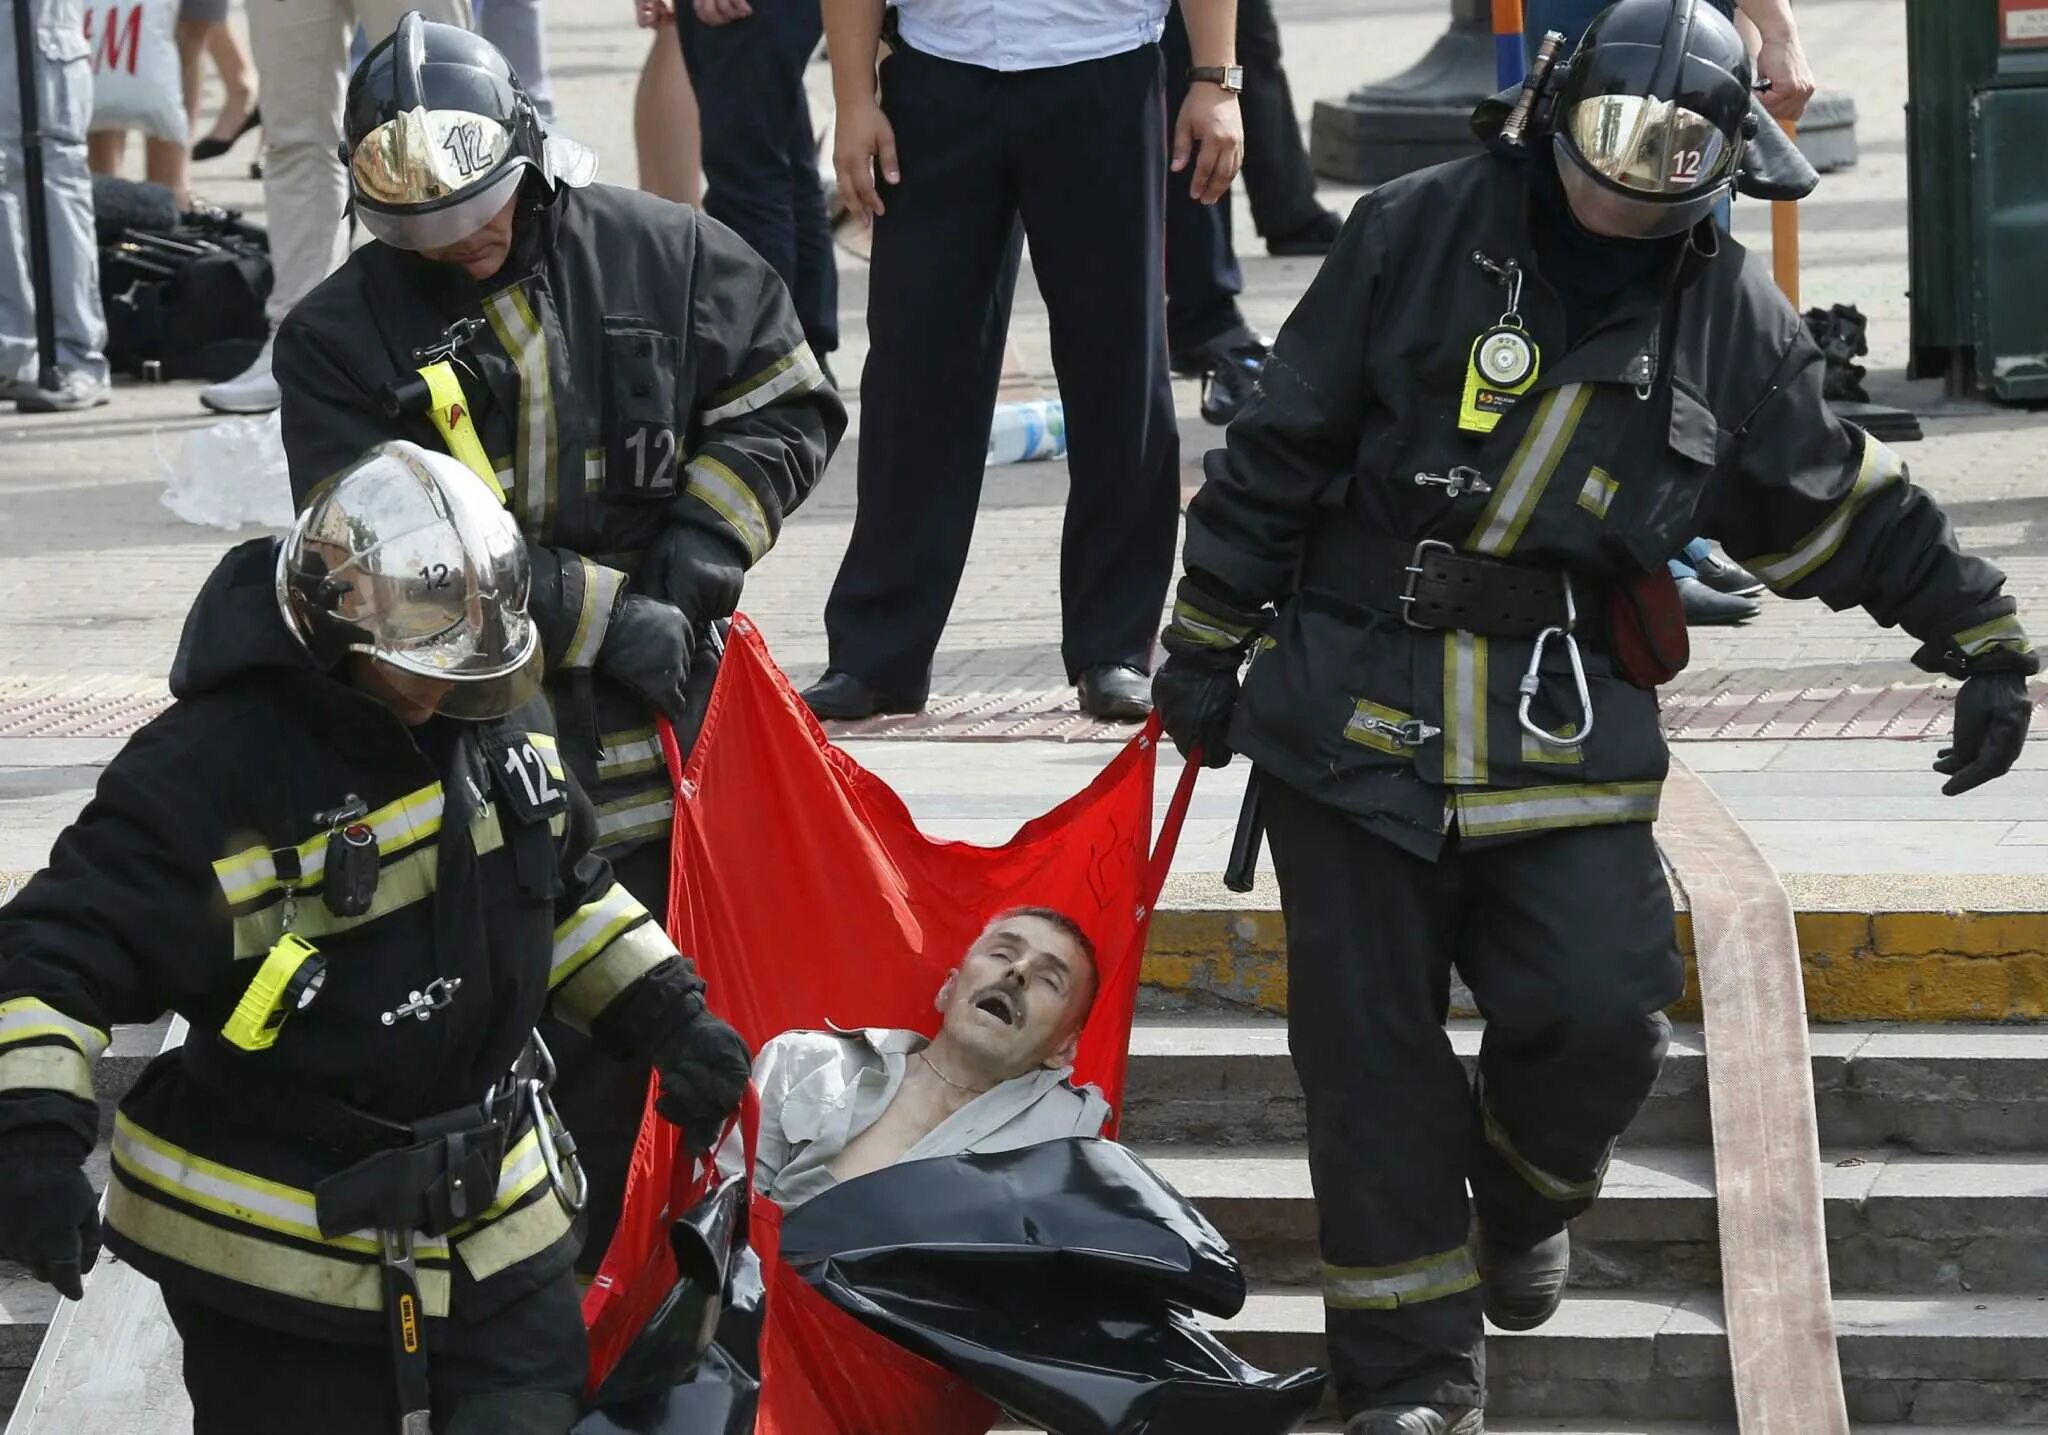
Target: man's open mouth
x: 1001, y: 1005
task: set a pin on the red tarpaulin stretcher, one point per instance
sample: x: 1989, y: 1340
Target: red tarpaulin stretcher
x: 808, y: 897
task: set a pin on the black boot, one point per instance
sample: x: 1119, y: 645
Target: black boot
x: 1229, y: 367
x: 1115, y: 692
x: 1524, y: 1284
x: 1725, y: 575
x: 845, y: 698
x: 1706, y: 608
x: 1416, y: 1420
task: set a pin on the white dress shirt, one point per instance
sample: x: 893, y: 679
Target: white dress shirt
x: 820, y: 1089
x: 1029, y: 34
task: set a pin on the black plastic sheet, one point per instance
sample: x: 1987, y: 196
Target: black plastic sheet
x: 1058, y: 1280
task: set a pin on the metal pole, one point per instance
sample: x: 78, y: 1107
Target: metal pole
x: 25, y: 53
x: 1785, y: 239
x: 1508, y: 64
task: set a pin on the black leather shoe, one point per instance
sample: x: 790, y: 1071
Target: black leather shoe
x: 1524, y: 1284
x: 1705, y: 608
x: 1416, y: 1420
x: 1229, y: 367
x: 1315, y: 237
x: 1725, y: 575
x: 1116, y: 692
x: 845, y: 698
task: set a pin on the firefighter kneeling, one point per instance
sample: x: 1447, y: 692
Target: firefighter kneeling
x: 350, y: 857
x: 1521, y: 382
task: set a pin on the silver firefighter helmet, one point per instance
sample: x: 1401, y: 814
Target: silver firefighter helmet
x: 409, y: 557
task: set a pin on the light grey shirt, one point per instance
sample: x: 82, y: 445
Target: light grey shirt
x: 1003, y: 36
x: 821, y: 1089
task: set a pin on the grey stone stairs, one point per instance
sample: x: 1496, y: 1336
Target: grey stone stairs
x: 1936, y: 1146
x: 1935, y: 1143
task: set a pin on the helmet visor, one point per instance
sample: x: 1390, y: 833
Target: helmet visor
x: 1648, y: 146
x: 448, y: 222
x: 1605, y: 210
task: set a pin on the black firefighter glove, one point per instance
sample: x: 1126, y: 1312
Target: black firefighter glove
x: 49, y: 1217
x: 698, y: 569
x: 1992, y: 713
x: 647, y: 651
x: 703, y: 1065
x: 1196, y: 687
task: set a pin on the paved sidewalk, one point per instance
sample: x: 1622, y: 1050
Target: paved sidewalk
x: 95, y: 574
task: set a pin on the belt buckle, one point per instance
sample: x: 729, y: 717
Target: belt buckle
x: 1414, y: 571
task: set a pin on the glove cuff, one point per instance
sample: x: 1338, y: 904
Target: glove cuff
x: 1982, y: 644
x: 1207, y: 621
x: 642, y: 1018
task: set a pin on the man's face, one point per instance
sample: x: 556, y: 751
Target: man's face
x: 413, y: 698
x: 1018, y: 996
x: 483, y: 253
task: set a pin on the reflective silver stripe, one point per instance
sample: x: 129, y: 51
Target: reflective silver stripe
x: 22, y: 1018
x: 1410, y: 1283
x: 1879, y: 470
x: 1535, y: 809
x: 1535, y: 750
x: 1464, y: 709
x: 403, y: 823
x: 512, y: 1238
x: 590, y: 929
x: 1550, y: 432
x: 254, y: 1261
x: 600, y: 591
x: 628, y: 753
x: 634, y: 817
x: 726, y: 494
x: 593, y: 470
x: 795, y: 372
x: 2003, y: 632
x: 400, y: 884
x: 1206, y: 629
x: 526, y: 343
x: 149, y: 1160
x: 631, y: 956
x: 550, y: 751
x: 1598, y: 494
x: 46, y: 1068
x: 1546, y: 1184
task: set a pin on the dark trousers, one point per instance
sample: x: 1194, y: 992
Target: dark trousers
x: 1277, y: 177
x: 1203, y: 279
x: 1565, y: 939
x: 760, y: 156
x: 1078, y: 152
x: 518, y: 1372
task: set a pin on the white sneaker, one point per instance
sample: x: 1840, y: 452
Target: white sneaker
x: 76, y: 389
x: 253, y: 391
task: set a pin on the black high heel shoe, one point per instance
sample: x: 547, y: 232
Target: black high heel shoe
x: 213, y: 146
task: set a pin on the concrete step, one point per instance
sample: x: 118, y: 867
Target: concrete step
x: 1956, y: 1360
x: 26, y: 1305
x: 1953, y: 1089
x: 132, y: 1048
x: 1898, y: 1222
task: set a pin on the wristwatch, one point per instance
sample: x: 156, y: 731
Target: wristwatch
x: 1228, y: 78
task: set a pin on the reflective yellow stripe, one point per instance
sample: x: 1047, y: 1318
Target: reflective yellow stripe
x: 550, y: 751
x: 150, y: 1160
x: 1365, y: 727
x: 726, y: 494
x: 582, y: 998
x: 1205, y: 628
x: 24, y: 1018
x: 46, y: 1068
x: 1546, y: 1184
x: 403, y: 823
x: 525, y: 342
x: 256, y: 1261
x: 645, y: 815
x: 1409, y: 1283
x: 399, y: 885
x: 451, y: 416
x: 1598, y: 494
x: 1528, y: 473
x: 627, y: 753
x: 1879, y: 470
x: 795, y: 372
x: 594, y: 470
x: 1538, y: 809
x: 2003, y: 632
x: 1535, y: 749
x: 590, y: 928
x: 511, y: 1239
x: 1465, y: 702
x: 600, y: 591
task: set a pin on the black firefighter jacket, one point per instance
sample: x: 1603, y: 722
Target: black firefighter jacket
x: 165, y: 895
x: 1668, y: 419
x: 635, y: 365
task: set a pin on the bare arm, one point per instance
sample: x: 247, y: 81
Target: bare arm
x: 1210, y: 129
x: 1780, y: 58
x: 863, y: 138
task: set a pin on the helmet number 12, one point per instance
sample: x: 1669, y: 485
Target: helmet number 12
x: 465, y: 145
x: 1686, y: 164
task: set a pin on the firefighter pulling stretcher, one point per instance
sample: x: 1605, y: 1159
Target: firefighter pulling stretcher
x: 1519, y: 384
x: 351, y: 857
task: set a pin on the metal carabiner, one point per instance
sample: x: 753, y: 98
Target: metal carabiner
x: 1532, y: 679
x: 557, y: 1146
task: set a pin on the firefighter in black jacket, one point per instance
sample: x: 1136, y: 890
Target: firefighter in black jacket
x: 1520, y: 382
x: 350, y: 856
x: 631, y: 374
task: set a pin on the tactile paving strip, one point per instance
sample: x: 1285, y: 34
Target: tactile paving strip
x: 79, y: 707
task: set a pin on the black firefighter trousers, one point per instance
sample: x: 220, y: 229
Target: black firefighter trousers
x: 1078, y: 152
x: 1565, y: 939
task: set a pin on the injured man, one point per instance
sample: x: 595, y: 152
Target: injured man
x: 836, y: 1105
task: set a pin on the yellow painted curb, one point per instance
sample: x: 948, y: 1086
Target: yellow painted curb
x: 1860, y: 966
